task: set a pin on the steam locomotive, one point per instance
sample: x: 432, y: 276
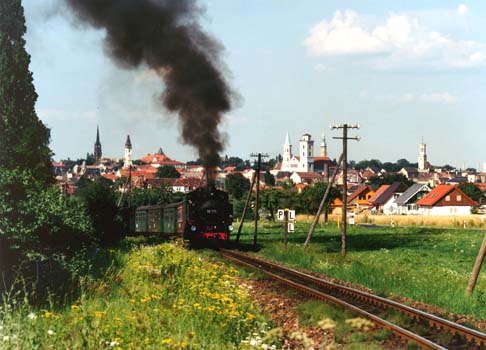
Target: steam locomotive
x: 204, y: 214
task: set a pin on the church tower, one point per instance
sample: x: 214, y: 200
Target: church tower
x: 422, y: 158
x: 128, y: 153
x: 97, y: 146
x: 323, y: 146
x: 287, y: 150
x: 306, y: 153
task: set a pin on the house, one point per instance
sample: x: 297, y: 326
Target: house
x: 160, y: 159
x: 406, y: 203
x: 409, y: 173
x: 305, y: 177
x: 384, y: 198
x: 358, y: 200
x: 446, y: 200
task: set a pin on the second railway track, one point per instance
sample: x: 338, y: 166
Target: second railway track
x: 436, y: 332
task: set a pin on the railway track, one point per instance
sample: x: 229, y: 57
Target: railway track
x: 435, y: 332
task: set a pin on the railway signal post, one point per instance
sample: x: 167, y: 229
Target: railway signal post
x: 345, y: 139
x: 259, y: 157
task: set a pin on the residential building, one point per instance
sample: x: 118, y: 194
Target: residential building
x: 406, y: 203
x: 446, y: 200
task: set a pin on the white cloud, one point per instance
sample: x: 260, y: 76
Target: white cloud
x: 462, y: 9
x: 439, y: 97
x: 431, y: 97
x: 402, y: 40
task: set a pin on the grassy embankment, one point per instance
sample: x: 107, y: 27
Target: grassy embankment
x: 151, y: 297
x: 431, y: 265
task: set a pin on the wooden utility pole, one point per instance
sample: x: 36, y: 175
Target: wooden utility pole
x: 257, y: 199
x: 286, y: 213
x: 477, y: 267
x: 345, y: 139
x: 323, y: 201
x: 245, y: 208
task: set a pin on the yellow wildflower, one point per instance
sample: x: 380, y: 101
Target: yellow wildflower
x: 48, y: 314
x: 75, y: 307
x: 166, y: 341
x: 99, y: 314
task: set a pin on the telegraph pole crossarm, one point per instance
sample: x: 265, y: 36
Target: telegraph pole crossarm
x: 345, y: 139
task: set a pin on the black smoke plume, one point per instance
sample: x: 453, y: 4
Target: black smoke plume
x: 165, y: 36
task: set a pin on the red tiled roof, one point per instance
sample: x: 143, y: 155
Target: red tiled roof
x: 322, y: 159
x: 481, y: 186
x: 229, y: 169
x: 58, y: 164
x: 278, y: 166
x: 378, y: 193
x: 111, y: 177
x: 439, y: 192
x: 309, y: 175
x: 155, y: 158
x: 435, y: 195
x: 358, y: 191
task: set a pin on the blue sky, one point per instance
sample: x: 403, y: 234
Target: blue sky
x: 403, y: 70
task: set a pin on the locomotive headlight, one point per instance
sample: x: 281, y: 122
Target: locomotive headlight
x: 230, y: 227
x: 193, y: 228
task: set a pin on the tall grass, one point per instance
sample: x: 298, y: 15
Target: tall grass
x: 440, y: 221
x: 156, y: 297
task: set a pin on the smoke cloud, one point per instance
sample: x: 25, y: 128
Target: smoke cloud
x: 165, y: 36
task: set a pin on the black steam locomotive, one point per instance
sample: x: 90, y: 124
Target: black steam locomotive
x: 204, y: 214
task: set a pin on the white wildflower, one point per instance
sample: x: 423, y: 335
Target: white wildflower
x: 51, y: 332
x: 114, y: 343
x: 6, y: 338
x: 31, y: 316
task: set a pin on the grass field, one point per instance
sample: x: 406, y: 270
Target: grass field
x: 431, y: 265
x: 151, y: 297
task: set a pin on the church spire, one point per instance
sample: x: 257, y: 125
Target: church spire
x: 97, y: 146
x: 323, y: 146
x: 128, y: 143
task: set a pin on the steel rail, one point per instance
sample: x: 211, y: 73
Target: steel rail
x: 470, y: 335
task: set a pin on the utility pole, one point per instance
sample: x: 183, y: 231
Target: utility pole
x: 323, y: 201
x: 345, y: 139
x: 257, y: 199
x: 246, y: 207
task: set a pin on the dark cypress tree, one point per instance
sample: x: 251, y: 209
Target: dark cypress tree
x: 24, y: 139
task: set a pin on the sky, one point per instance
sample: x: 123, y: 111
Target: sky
x: 406, y: 71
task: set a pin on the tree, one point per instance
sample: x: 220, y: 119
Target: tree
x: 24, y: 139
x: 237, y: 185
x: 376, y: 181
x: 167, y: 171
x: 311, y: 197
x: 269, y: 179
x: 472, y: 191
x: 100, y: 201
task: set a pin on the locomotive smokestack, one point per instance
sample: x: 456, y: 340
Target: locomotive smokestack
x: 211, y: 175
x: 165, y: 36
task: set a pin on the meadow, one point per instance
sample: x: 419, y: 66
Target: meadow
x: 430, y: 265
x: 147, y: 297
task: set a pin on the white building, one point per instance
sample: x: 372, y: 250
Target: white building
x: 423, y: 165
x: 303, y: 161
x: 128, y: 153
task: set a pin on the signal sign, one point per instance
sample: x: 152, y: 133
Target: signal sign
x: 291, y: 215
x: 290, y: 227
x: 280, y: 215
